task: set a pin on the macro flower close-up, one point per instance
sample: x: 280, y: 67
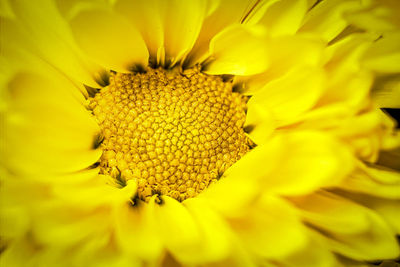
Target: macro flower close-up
x: 199, y: 133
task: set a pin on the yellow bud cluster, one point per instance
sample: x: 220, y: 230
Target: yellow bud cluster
x: 173, y: 132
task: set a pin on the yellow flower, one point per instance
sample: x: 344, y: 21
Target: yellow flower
x: 199, y: 133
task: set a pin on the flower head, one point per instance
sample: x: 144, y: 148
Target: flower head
x: 199, y: 133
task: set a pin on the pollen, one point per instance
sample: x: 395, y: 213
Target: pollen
x: 173, y: 132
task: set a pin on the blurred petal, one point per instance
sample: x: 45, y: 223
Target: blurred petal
x: 384, y: 55
x: 176, y: 227
x: 61, y: 132
x: 313, y: 254
x: 297, y: 163
x: 270, y: 228
x: 284, y: 17
x: 238, y: 50
x: 40, y: 29
x: 223, y: 14
x: 231, y: 194
x: 215, y: 243
x: 169, y: 37
x: 327, y: 18
x: 146, y: 17
x: 289, y: 96
x: 109, y: 40
x: 182, y: 28
x: 374, y: 181
x: 349, y: 229
x: 386, y: 92
x: 377, y: 15
x: 135, y: 231
x: 286, y: 54
x: 260, y: 121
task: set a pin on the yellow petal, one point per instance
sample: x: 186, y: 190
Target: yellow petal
x: 95, y: 193
x: 82, y: 176
x: 314, y: 253
x: 343, y: 67
x: 176, y: 227
x: 14, y: 222
x: 284, y: 17
x: 215, y: 242
x: 231, y: 194
x: 223, y: 14
x: 386, y: 92
x: 374, y: 181
x: 327, y: 20
x: 270, y: 228
x: 146, y: 17
x: 67, y: 227
x: 260, y: 122
x: 287, y: 53
x: 348, y: 228
x: 295, y: 164
x: 60, y: 130
x: 17, y: 254
x: 384, y: 54
x: 69, y: 9
x: 238, y: 50
x: 109, y: 40
x: 391, y: 134
x: 287, y: 97
x: 377, y: 15
x: 169, y: 29
x: 182, y: 28
x: 6, y: 9
x: 388, y: 209
x: 134, y: 231
x: 390, y: 159
x: 42, y: 31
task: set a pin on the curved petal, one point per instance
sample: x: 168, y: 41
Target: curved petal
x: 134, y: 231
x: 40, y: 29
x: 215, y: 243
x: 95, y: 193
x: 146, y: 17
x: 348, y: 82
x: 68, y: 227
x: 260, y: 121
x: 314, y: 253
x: 109, y: 40
x: 349, y: 229
x: 238, y: 50
x: 231, y: 194
x: 327, y: 18
x: 295, y: 164
x: 286, y: 54
x: 270, y: 228
x: 377, y: 15
x: 182, y: 24
x: 169, y: 29
x: 289, y: 96
x: 284, y: 17
x: 176, y: 227
x: 374, y: 181
x: 386, y: 92
x: 58, y: 130
x: 384, y: 55
x: 388, y: 209
x: 223, y: 14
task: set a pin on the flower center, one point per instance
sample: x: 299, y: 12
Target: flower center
x: 174, y: 133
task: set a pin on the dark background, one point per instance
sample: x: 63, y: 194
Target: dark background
x: 395, y: 113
